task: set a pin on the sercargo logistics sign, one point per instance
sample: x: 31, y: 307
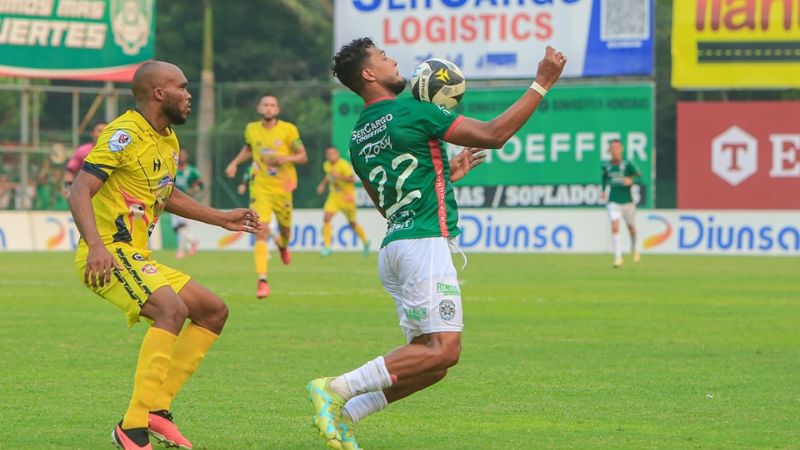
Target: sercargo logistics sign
x: 736, y: 44
x: 739, y: 155
x: 75, y: 39
x: 505, y: 38
x: 555, y: 159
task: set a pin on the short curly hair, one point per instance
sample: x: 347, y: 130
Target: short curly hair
x: 349, y: 61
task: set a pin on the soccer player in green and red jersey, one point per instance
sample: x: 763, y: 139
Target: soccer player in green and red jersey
x: 397, y: 152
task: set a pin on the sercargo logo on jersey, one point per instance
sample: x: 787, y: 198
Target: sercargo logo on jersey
x: 372, y: 129
x: 505, y: 38
x: 724, y: 43
x: 739, y: 155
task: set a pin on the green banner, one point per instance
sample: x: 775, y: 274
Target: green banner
x: 555, y: 159
x: 86, y: 39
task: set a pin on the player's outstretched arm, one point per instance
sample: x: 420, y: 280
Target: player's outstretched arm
x: 496, y: 132
x: 239, y: 219
x: 244, y: 154
x: 99, y: 261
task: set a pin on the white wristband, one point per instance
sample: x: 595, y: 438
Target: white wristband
x: 539, y: 88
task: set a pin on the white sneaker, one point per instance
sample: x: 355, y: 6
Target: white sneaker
x: 617, y: 262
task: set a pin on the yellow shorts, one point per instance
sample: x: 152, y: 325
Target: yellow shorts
x: 140, y: 276
x: 265, y: 203
x: 336, y: 203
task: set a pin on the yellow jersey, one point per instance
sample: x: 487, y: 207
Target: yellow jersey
x: 265, y: 145
x: 137, y: 165
x: 344, y: 190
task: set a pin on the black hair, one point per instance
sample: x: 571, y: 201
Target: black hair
x: 615, y: 141
x: 349, y: 61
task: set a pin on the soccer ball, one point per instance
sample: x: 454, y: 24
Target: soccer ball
x: 438, y: 81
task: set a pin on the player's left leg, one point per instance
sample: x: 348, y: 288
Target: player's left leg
x: 283, y: 212
x: 262, y: 204
x: 327, y: 231
x: 208, y: 314
x: 350, y: 213
x: 614, y: 216
x: 629, y: 214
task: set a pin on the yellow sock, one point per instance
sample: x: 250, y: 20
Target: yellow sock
x: 190, y: 349
x: 261, y: 256
x: 327, y: 231
x: 154, y: 361
x: 360, y: 232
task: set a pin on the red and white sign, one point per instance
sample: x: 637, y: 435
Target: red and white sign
x: 738, y: 155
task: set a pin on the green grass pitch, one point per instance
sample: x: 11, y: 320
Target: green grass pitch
x: 559, y: 351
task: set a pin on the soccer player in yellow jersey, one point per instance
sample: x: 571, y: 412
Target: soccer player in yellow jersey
x: 341, y: 197
x: 125, y: 183
x: 275, y: 147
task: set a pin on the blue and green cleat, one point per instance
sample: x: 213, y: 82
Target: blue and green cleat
x: 366, y: 248
x: 327, y: 411
x: 348, y: 434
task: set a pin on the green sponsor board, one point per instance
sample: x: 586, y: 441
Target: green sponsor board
x: 95, y: 39
x: 555, y: 158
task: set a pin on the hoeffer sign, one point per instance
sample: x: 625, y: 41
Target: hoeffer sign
x: 739, y: 155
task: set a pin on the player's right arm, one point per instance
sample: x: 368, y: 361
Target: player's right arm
x: 603, y: 184
x: 321, y: 186
x: 244, y: 154
x: 99, y: 262
x: 496, y: 132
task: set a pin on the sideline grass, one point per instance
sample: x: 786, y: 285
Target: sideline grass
x: 559, y: 351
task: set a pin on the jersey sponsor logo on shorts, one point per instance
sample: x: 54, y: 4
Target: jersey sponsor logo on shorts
x: 372, y: 149
x: 119, y: 140
x: 149, y: 269
x: 416, y: 313
x: 447, y: 289
x: 138, y: 257
x: 447, y: 309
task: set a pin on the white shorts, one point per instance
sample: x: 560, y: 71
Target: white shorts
x: 625, y: 211
x: 420, y: 276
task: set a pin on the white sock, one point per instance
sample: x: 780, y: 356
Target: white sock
x: 372, y: 376
x: 617, y: 245
x: 363, y: 405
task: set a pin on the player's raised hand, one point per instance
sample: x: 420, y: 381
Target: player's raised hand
x: 241, y: 219
x: 99, y: 265
x: 550, y: 67
x: 468, y: 159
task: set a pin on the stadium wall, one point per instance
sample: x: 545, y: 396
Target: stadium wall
x: 695, y: 232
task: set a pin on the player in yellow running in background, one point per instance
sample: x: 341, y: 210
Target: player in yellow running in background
x: 125, y: 183
x: 275, y: 147
x: 341, y: 197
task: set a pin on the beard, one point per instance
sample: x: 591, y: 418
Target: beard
x: 398, y: 86
x: 173, y: 113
